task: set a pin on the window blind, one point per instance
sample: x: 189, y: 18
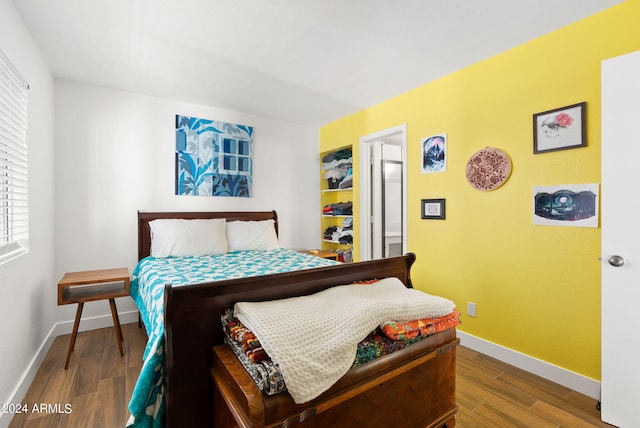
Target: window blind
x: 14, y: 213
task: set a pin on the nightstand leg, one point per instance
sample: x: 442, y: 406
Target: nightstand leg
x: 72, y: 343
x: 116, y: 324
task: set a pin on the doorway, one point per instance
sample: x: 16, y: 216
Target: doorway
x: 383, y: 193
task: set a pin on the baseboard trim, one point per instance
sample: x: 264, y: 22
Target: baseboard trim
x: 567, y: 378
x: 23, y: 385
x: 94, y: 323
x: 58, y: 329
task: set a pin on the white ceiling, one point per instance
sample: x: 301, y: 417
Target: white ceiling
x: 305, y: 61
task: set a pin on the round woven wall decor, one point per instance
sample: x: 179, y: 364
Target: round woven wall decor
x: 488, y: 169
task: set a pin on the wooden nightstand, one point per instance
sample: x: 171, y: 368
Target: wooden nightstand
x: 322, y: 253
x: 81, y: 287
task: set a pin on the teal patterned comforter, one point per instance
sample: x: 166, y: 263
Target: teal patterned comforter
x: 147, y: 289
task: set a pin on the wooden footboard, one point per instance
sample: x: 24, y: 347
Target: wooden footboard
x: 414, y: 387
x: 193, y: 326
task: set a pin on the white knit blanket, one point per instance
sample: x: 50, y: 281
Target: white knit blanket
x: 314, y: 338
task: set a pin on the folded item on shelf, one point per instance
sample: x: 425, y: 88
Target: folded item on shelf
x: 336, y: 173
x: 340, y: 208
x: 346, y: 183
x: 345, y: 239
x: 342, y: 163
x: 332, y: 233
x: 345, y: 256
x: 337, y: 155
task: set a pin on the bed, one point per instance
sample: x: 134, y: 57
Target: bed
x: 197, y: 384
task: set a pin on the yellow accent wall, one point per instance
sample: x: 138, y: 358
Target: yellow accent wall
x: 537, y: 288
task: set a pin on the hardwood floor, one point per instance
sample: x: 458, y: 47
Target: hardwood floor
x: 490, y: 393
x: 98, y: 385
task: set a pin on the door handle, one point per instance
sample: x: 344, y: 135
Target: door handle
x: 616, y: 261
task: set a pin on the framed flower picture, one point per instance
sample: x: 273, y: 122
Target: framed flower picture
x: 560, y: 129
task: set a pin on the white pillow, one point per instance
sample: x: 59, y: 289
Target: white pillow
x: 184, y: 238
x: 252, y: 235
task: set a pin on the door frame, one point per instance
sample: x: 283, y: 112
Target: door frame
x: 399, y: 135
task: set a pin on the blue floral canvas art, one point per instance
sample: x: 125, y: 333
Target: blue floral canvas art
x: 213, y: 158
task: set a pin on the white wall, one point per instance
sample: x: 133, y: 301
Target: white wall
x: 115, y: 155
x: 28, y: 283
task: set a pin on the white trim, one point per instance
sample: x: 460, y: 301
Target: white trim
x: 94, y: 323
x: 365, y: 200
x: 23, y: 385
x: 564, y: 377
x: 58, y: 329
x: 365, y: 212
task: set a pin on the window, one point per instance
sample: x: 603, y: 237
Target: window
x: 14, y: 219
x: 235, y: 156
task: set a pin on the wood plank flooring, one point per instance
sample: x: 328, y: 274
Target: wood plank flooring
x: 97, y: 385
x: 490, y: 393
x: 99, y: 382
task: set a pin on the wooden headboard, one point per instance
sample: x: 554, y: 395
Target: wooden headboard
x: 144, y: 232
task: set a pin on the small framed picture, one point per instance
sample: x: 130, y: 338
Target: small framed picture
x: 560, y: 129
x: 434, y: 154
x: 433, y: 209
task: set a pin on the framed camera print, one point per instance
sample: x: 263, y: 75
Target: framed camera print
x: 433, y: 209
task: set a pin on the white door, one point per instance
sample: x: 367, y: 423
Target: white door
x: 621, y: 237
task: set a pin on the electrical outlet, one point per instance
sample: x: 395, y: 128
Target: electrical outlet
x: 471, y: 309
